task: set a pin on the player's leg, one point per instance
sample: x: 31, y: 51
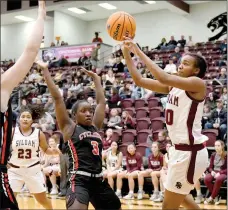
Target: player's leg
x: 141, y: 176
x: 104, y: 197
x: 119, y: 183
x: 111, y: 176
x: 43, y: 200
x: 131, y: 184
x: 189, y: 203
x: 155, y: 175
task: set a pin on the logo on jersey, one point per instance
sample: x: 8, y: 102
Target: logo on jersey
x: 89, y: 134
x: 172, y: 99
x: 25, y: 143
x: 178, y: 185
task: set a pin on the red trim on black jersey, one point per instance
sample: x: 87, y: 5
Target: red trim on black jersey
x: 5, y: 128
x: 74, y: 154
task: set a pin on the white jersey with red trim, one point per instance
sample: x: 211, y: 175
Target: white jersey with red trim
x: 183, y: 118
x: 25, y: 148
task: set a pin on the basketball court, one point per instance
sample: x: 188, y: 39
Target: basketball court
x: 26, y: 201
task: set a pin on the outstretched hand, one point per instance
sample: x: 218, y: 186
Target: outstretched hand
x: 43, y: 66
x: 89, y: 73
x: 42, y: 9
x: 130, y: 45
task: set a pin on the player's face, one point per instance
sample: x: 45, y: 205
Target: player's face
x: 84, y: 114
x: 187, y: 67
x: 26, y: 119
x: 109, y: 132
x: 52, y: 143
x: 131, y: 149
x: 114, y: 146
x: 154, y: 148
x: 167, y: 147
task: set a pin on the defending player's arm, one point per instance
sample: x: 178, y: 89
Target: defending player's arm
x: 14, y: 75
x: 44, y: 146
x: 99, y: 114
x: 66, y: 125
x: 191, y: 84
x: 149, y: 84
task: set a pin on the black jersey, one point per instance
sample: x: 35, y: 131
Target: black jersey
x: 5, y: 134
x: 85, y: 150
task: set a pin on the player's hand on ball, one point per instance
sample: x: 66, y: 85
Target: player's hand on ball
x: 42, y: 9
x: 131, y: 45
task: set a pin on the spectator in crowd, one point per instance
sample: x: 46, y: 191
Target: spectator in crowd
x: 218, y: 119
x: 107, y: 141
x: 136, y: 92
x: 63, y: 61
x: 76, y: 86
x: 172, y: 43
x: 206, y: 116
x: 82, y: 61
x: 34, y: 76
x: 133, y: 165
x: 125, y: 91
x: 162, y: 45
x: 70, y: 99
x: 127, y: 121
x: 111, y: 61
x: 92, y: 102
x: 217, y: 172
x: 97, y: 38
x: 186, y: 50
x: 94, y: 55
x: 50, y: 106
x: 182, y: 41
x: 176, y: 55
x: 118, y: 67
x: 46, y: 122
x: 58, y: 75
x: 23, y: 102
x: 52, y: 44
x: 140, y: 68
x: 224, y: 96
x: 162, y: 140
x: 211, y: 101
x: 114, y: 99
x: 190, y: 43
x: 114, y: 119
x: 171, y: 68
x: 114, y: 163
x: 159, y: 61
x: 222, y: 77
x: 110, y: 77
x: 223, y: 47
x: 155, y: 163
x: 51, y: 166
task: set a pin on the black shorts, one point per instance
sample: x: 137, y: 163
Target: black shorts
x: 7, y: 199
x: 95, y: 190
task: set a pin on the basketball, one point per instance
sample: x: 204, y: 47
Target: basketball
x: 121, y: 24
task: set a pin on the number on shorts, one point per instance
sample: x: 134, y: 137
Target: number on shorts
x: 95, y: 150
x: 169, y: 116
x: 24, y: 154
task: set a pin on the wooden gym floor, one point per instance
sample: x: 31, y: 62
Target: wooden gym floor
x: 26, y: 201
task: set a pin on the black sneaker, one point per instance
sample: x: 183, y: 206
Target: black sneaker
x: 61, y: 194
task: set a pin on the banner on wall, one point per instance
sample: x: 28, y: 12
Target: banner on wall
x: 69, y: 52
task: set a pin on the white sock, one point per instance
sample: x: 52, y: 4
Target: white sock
x: 131, y: 192
x: 118, y: 191
x: 198, y: 192
x: 140, y: 189
x: 156, y: 191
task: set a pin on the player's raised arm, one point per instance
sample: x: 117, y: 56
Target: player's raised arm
x: 66, y: 125
x: 13, y: 76
x: 99, y: 114
x: 149, y: 84
x: 184, y: 82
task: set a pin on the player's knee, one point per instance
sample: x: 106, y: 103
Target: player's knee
x: 119, y: 176
x: 109, y: 176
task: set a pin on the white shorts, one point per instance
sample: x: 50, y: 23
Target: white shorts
x: 32, y: 177
x: 54, y: 168
x: 181, y: 174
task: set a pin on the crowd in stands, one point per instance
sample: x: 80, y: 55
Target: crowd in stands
x: 134, y: 124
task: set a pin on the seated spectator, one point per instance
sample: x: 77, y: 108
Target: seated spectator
x: 211, y: 101
x: 51, y: 167
x: 182, y: 41
x: 206, y: 116
x: 52, y: 44
x: 50, y: 106
x: 122, y: 60
x: 127, y: 121
x: 110, y: 77
x: 162, y: 45
x: 34, y: 76
x: 23, y: 102
x: 125, y: 91
x: 114, y: 99
x: 159, y: 61
x: 70, y: 99
x: 186, y: 50
x: 46, y: 122
x: 146, y: 94
x: 176, y: 55
x: 114, y: 164
x: 218, y: 119
x: 92, y: 102
x: 134, y: 165
x: 118, y: 67
x: 172, y: 43
x: 97, y: 38
x: 162, y: 140
x: 114, y: 119
x: 155, y: 163
x: 223, y: 47
x: 190, y: 43
x: 111, y: 61
x: 76, y: 86
x: 58, y: 75
x: 217, y: 172
x: 107, y: 141
x: 224, y: 96
x: 82, y: 60
x: 140, y: 68
x: 171, y: 68
x: 163, y: 172
x: 63, y: 61
x: 222, y: 77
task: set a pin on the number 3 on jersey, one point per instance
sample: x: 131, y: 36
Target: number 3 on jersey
x: 95, y: 150
x: 169, y: 116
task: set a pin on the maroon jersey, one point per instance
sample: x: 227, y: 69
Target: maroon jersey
x: 155, y: 163
x: 106, y: 143
x: 134, y: 162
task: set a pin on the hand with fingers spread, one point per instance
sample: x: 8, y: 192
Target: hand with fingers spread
x: 42, y: 65
x: 90, y: 73
x: 131, y: 45
x: 42, y: 9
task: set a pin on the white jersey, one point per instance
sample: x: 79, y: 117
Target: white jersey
x: 112, y: 160
x: 25, y: 149
x: 183, y: 118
